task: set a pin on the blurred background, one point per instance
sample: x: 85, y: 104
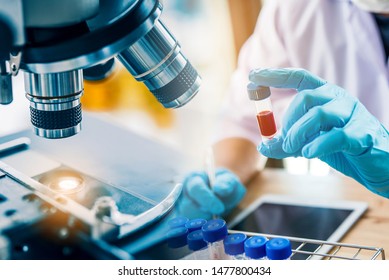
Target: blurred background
x: 211, y: 34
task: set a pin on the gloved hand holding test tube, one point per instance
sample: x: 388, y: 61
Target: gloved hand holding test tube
x: 324, y: 121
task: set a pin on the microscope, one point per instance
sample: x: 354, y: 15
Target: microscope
x: 54, y: 41
x: 74, y: 201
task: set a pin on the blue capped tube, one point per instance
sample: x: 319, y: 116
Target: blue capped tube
x: 255, y: 248
x: 177, y: 237
x: 234, y: 246
x: 178, y: 222
x: 278, y: 249
x: 214, y: 232
x: 197, y: 244
x: 195, y: 224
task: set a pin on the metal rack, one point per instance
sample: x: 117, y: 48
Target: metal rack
x: 327, y: 250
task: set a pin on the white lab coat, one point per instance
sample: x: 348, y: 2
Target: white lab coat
x: 331, y: 38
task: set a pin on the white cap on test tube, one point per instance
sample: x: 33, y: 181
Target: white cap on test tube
x: 257, y: 92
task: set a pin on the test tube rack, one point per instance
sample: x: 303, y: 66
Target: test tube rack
x: 327, y: 250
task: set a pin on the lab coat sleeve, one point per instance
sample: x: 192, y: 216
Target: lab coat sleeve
x: 265, y: 48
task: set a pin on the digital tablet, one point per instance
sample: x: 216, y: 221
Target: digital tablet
x: 299, y: 217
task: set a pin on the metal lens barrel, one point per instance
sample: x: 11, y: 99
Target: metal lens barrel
x: 55, y: 103
x: 156, y: 60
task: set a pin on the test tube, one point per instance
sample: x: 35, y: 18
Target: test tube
x: 255, y: 248
x: 177, y: 237
x: 278, y: 249
x: 195, y: 224
x: 178, y: 222
x: 265, y: 117
x: 234, y: 246
x: 214, y: 232
x: 197, y: 244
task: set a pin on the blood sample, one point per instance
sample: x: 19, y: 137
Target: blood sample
x: 265, y: 117
x: 266, y: 123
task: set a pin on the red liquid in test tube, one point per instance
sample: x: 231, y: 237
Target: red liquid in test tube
x: 265, y: 117
x: 267, y: 124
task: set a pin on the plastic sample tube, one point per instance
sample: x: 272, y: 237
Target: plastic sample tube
x: 255, y: 248
x: 177, y: 237
x: 234, y: 246
x: 265, y: 117
x: 278, y: 249
x: 178, y: 222
x: 195, y: 224
x: 197, y: 244
x: 214, y: 232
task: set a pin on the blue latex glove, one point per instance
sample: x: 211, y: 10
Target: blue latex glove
x: 199, y: 201
x: 324, y: 121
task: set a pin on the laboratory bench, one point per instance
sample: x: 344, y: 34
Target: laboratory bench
x: 372, y: 229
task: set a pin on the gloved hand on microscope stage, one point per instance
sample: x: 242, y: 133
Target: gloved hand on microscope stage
x: 324, y: 121
x: 198, y: 200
